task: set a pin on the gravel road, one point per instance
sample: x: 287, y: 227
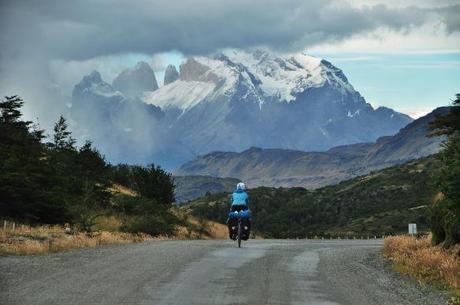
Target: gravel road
x: 212, y: 272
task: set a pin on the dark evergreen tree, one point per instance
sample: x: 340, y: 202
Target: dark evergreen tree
x: 62, y: 136
x: 445, y: 213
x: 121, y: 174
x: 23, y: 174
x: 155, y: 183
x: 57, y: 182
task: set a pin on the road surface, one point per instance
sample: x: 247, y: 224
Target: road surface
x: 211, y: 272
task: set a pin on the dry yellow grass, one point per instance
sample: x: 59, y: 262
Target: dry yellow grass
x: 47, y: 239
x: 118, y: 188
x: 25, y: 240
x: 196, y: 229
x: 107, y: 223
x: 426, y: 263
x: 217, y: 230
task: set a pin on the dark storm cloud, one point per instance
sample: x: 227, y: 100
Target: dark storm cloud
x: 86, y: 29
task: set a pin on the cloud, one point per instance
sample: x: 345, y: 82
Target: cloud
x: 52, y: 41
x: 431, y: 37
x: 85, y: 29
x: 158, y: 63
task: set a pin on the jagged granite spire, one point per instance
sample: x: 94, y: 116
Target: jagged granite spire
x: 133, y: 81
x: 171, y: 75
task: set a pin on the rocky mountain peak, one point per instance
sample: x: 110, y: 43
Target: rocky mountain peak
x: 171, y: 75
x: 240, y: 99
x: 93, y: 77
x: 133, y: 82
x: 92, y: 84
x: 192, y: 70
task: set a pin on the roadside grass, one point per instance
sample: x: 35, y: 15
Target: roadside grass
x: 426, y: 263
x: 192, y: 227
x: 26, y: 240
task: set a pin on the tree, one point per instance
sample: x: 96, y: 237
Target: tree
x: 149, y: 211
x: 58, y: 182
x: 62, y: 136
x: 448, y: 124
x: 10, y: 112
x: 445, y: 212
x: 92, y: 180
x: 23, y: 176
x: 155, y: 183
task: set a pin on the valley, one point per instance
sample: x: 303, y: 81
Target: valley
x: 289, y: 168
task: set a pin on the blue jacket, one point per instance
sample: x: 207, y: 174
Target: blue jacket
x: 240, y: 197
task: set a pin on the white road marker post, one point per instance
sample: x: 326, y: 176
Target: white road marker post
x: 412, y: 229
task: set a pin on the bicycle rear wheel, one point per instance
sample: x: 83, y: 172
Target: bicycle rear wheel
x: 239, y: 233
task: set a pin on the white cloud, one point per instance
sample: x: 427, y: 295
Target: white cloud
x: 416, y: 112
x: 427, y: 38
x: 405, y: 3
x: 67, y: 73
x: 158, y: 63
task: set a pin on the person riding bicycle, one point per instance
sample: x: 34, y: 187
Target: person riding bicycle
x: 239, y: 202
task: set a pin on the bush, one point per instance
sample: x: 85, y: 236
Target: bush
x: 436, y: 218
x: 152, y: 224
x: 445, y: 212
x: 429, y: 264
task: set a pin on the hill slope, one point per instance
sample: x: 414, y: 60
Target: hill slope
x: 191, y: 187
x: 280, y: 167
x: 382, y: 202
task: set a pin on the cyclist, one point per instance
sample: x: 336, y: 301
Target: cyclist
x: 239, y: 201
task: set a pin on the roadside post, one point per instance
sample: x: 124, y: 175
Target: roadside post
x: 412, y: 229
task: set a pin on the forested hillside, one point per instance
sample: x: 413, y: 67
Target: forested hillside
x: 383, y: 202
x: 191, y: 187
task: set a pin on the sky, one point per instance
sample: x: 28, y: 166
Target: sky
x: 400, y: 54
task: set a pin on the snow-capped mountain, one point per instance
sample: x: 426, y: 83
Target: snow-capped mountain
x: 264, y: 75
x: 237, y: 99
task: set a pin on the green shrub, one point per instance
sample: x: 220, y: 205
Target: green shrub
x: 436, y: 216
x: 445, y: 213
x: 153, y: 224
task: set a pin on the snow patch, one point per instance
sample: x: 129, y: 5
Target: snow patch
x: 265, y: 75
x: 350, y: 115
x: 180, y: 94
x: 281, y: 77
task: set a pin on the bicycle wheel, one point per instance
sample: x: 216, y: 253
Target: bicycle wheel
x: 239, y: 233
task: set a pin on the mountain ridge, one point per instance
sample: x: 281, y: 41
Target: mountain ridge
x: 233, y: 101
x: 288, y: 168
